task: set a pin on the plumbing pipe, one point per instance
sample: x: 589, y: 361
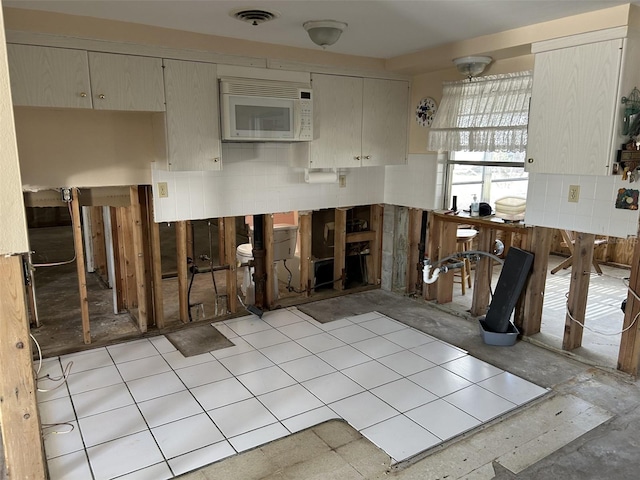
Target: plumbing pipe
x: 421, y: 250
x: 445, y: 268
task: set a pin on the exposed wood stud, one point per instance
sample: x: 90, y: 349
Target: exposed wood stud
x: 272, y: 282
x: 127, y: 259
x: 304, y: 222
x: 413, y: 239
x: 578, y: 290
x: 82, y: 275
x: 375, y: 245
x: 484, y: 272
x: 98, y: 240
x: 629, y: 354
x: 119, y: 276
x: 156, y: 270
x: 339, y: 245
x: 23, y: 449
x: 138, y: 258
x: 183, y: 283
x: 146, y: 216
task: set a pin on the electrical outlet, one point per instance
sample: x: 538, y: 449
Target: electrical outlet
x: 163, y: 190
x: 343, y: 181
x: 574, y: 193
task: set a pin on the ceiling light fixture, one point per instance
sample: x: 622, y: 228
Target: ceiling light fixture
x: 472, y: 66
x: 324, y: 32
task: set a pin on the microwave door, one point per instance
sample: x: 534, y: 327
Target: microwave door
x: 261, y: 118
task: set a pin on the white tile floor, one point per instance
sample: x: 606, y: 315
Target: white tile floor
x: 141, y: 410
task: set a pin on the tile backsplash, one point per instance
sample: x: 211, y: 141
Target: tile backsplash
x: 594, y: 212
x: 257, y: 178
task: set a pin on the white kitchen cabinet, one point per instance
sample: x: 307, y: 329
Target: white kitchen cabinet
x: 358, y: 122
x: 575, y: 118
x: 49, y: 77
x: 126, y: 82
x: 61, y: 77
x: 192, y: 119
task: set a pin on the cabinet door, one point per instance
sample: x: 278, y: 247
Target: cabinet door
x: 49, y: 77
x: 384, y: 122
x: 337, y: 121
x: 193, y: 126
x: 126, y: 82
x: 573, y: 106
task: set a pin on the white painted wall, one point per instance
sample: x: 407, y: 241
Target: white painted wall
x: 13, y: 234
x: 595, y: 212
x: 419, y: 184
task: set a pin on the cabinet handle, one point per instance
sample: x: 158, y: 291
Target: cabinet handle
x: 357, y: 158
x: 367, y: 157
x: 83, y: 94
x: 101, y: 96
x: 530, y: 160
x: 216, y: 160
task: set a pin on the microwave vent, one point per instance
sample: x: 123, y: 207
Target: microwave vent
x: 261, y: 88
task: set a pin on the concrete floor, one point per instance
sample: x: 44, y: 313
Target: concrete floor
x: 602, y: 405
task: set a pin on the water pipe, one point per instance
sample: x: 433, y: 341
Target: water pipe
x: 445, y: 268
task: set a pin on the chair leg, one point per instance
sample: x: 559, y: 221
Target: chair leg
x: 468, y: 267
x: 463, y: 276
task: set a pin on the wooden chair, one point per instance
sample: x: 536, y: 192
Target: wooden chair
x: 569, y: 242
x: 464, y: 238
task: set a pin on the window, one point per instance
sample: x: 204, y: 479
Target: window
x: 488, y: 175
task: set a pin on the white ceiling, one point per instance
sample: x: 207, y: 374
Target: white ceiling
x: 377, y: 28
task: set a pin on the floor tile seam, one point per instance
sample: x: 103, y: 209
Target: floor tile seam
x: 140, y: 469
x: 275, y: 389
x: 361, y: 431
x: 517, y: 404
x: 468, y: 379
x: 431, y: 368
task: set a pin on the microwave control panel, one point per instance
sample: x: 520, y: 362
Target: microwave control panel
x: 306, y: 115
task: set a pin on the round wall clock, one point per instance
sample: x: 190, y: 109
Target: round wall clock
x: 425, y: 111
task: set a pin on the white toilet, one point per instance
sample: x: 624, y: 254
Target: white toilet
x: 244, y: 254
x: 284, y: 247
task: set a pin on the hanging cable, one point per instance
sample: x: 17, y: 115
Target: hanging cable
x: 56, y: 264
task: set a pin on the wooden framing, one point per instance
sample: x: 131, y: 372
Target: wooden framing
x: 579, y: 290
x: 413, y: 239
x: 98, y: 241
x: 119, y: 277
x: 448, y: 246
x: 339, y: 244
x: 138, y: 259
x: 271, y: 283
x: 146, y: 217
x: 375, y: 244
x: 484, y: 272
x: 156, y: 270
x: 629, y: 354
x: 183, y: 281
x: 22, y: 440
x: 230, y: 259
x: 528, y: 314
x: 82, y: 278
x: 304, y: 226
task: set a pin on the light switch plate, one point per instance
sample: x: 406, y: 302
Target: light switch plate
x: 163, y: 190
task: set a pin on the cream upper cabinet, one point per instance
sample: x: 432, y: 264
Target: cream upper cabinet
x: 126, y: 82
x: 192, y: 119
x: 62, y: 77
x: 358, y: 122
x: 384, y: 122
x: 49, y: 77
x: 575, y: 118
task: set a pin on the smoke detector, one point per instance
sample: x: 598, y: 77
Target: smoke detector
x: 254, y: 16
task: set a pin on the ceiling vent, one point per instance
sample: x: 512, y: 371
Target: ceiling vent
x: 254, y: 16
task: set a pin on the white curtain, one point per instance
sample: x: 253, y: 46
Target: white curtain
x: 486, y: 114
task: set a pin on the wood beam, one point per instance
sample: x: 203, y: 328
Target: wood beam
x: 448, y: 246
x: 484, y: 273
x: 146, y: 216
x: 271, y: 282
x: 21, y: 438
x: 629, y: 353
x: 156, y: 270
x: 413, y: 239
x: 221, y: 253
x: 181, y: 260
x: 339, y: 246
x: 230, y: 259
x: 138, y: 258
x: 578, y: 290
x: 528, y: 316
x: 82, y: 275
x: 304, y: 227
x: 375, y: 245
x: 118, y: 267
x: 98, y: 240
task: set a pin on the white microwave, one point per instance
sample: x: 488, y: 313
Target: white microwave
x: 265, y: 110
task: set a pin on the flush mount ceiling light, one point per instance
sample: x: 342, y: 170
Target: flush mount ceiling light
x: 254, y: 16
x: 324, y: 32
x: 472, y: 66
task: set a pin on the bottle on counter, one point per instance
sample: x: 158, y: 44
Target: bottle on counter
x: 475, y: 207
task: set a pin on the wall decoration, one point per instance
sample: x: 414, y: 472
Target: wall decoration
x: 425, y: 111
x: 627, y: 199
